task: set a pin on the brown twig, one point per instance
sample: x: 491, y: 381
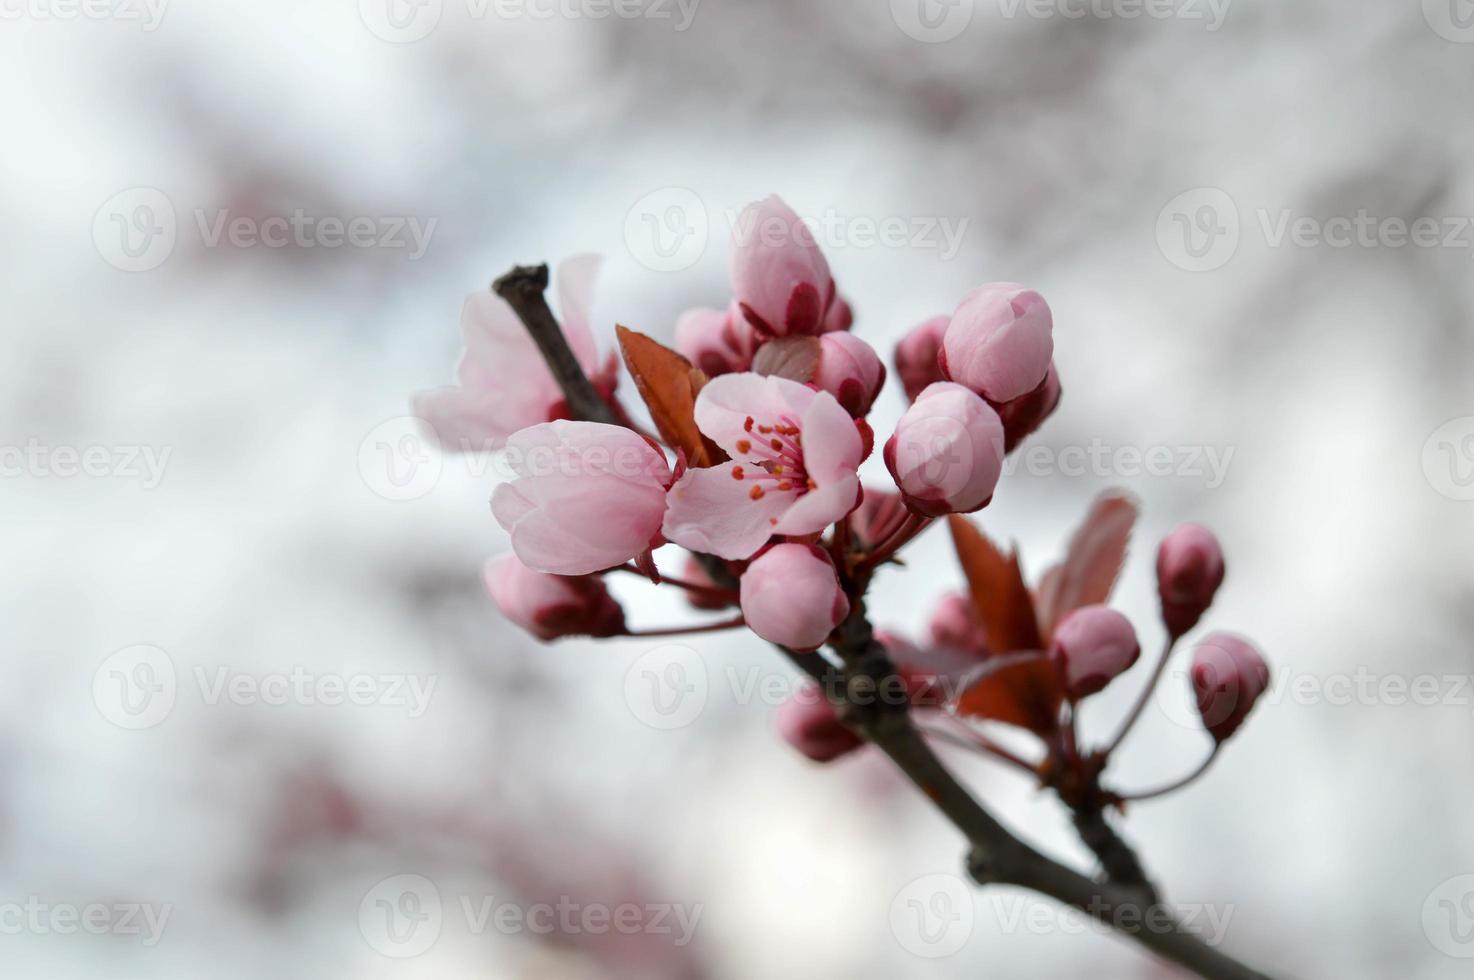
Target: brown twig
x: 996, y: 855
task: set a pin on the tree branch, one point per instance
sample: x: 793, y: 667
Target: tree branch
x: 997, y: 856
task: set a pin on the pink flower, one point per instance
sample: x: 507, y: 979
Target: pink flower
x: 1092, y: 647
x: 917, y: 356
x: 1189, y: 571
x: 791, y: 596
x: 956, y: 625
x: 807, y: 722
x: 779, y: 274
x: 1228, y: 677
x: 503, y: 382
x: 1000, y: 341
x: 588, y: 496
x: 840, y: 316
x: 1022, y: 417
x: 947, y: 453
x: 794, y: 452
x: 850, y: 370
x: 552, y: 606
x: 716, y: 341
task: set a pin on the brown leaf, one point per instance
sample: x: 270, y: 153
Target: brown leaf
x: 669, y: 385
x: 1026, y: 694
x: 794, y: 358
x: 1092, y: 563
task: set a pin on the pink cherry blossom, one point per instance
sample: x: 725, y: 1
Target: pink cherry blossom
x: 552, y: 606
x: 807, y: 722
x: 1228, y: 676
x: 717, y: 341
x: 999, y: 342
x: 917, y: 356
x: 1092, y: 647
x: 841, y: 316
x: 779, y: 274
x: 1189, y: 571
x: 947, y: 453
x: 587, y: 496
x: 850, y: 370
x: 791, y: 596
x: 794, y: 452
x: 503, y: 383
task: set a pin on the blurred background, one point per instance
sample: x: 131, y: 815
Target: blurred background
x: 258, y: 717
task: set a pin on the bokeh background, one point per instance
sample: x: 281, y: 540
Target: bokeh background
x: 1138, y: 170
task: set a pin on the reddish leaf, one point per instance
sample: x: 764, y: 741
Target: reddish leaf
x: 1026, y: 694
x: 794, y: 358
x: 669, y: 385
x: 1092, y: 563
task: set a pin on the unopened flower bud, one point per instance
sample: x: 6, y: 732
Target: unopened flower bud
x: 552, y: 606
x: 1228, y: 676
x: 807, y: 722
x: 1022, y: 417
x: 717, y: 341
x: 1189, y: 572
x: 779, y: 274
x: 1092, y: 647
x: 947, y: 453
x: 918, y: 356
x: 695, y: 573
x: 791, y: 596
x: 955, y: 624
x: 841, y: 315
x: 850, y: 370
x: 1000, y: 342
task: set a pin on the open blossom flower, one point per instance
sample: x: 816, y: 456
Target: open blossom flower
x: 794, y: 455
x: 947, y: 453
x: 587, y: 496
x: 717, y: 341
x: 1000, y: 342
x: 779, y: 274
x: 791, y: 596
x: 850, y: 370
x: 503, y: 382
x: 552, y: 606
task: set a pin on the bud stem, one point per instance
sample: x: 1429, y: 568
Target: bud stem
x: 726, y: 624
x: 1174, y: 786
x: 1143, y: 699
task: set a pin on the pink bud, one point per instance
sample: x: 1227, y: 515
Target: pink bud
x: 1189, y: 572
x: 1092, y: 647
x: 1022, y: 417
x: 955, y: 624
x: 695, y: 573
x: 552, y: 606
x: 918, y: 355
x: 999, y: 342
x: 791, y: 596
x: 779, y: 274
x: 947, y: 453
x: 1228, y: 677
x: 807, y: 722
x: 850, y: 370
x: 840, y: 316
x: 717, y: 341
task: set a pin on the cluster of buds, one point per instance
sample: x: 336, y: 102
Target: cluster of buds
x: 762, y: 415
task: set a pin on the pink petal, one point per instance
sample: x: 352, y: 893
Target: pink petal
x: 712, y: 512
x: 832, y: 445
x: 576, y: 278
x: 818, y: 509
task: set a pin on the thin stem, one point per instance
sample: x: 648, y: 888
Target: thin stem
x: 1143, y: 699
x: 1170, y: 787
x: 912, y: 526
x: 726, y: 624
x: 965, y: 737
x: 711, y: 591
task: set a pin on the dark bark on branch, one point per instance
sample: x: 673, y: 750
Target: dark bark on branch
x: 996, y: 855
